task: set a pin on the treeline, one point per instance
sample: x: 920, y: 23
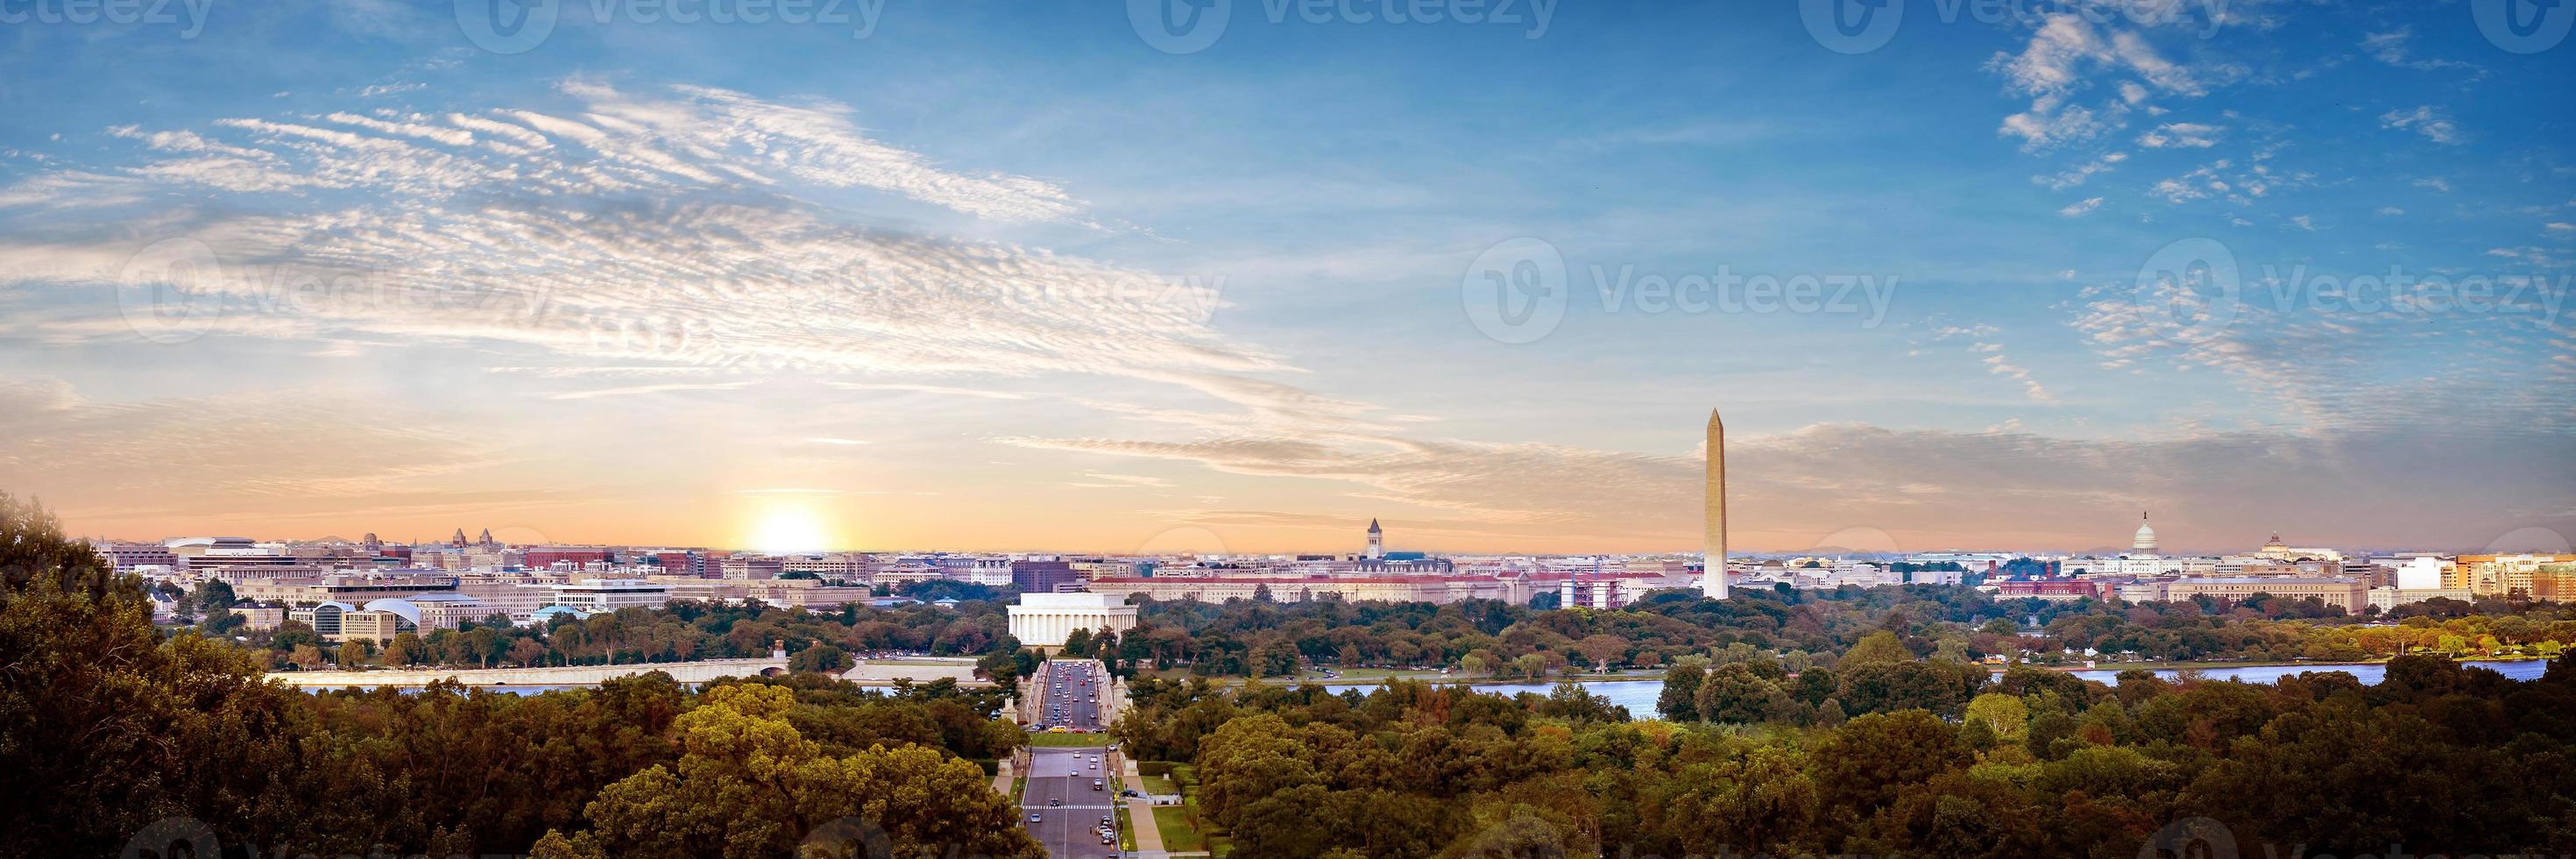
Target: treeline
x: 681, y: 631
x: 1487, y: 638
x: 119, y: 738
x: 2437, y: 759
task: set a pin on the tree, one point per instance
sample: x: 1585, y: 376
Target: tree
x: 1601, y: 648
x: 1878, y: 648
x: 1078, y: 644
x: 1888, y: 687
x: 405, y: 650
x: 820, y: 659
x: 1733, y: 693
x: 1248, y: 758
x: 2004, y: 716
x: 747, y: 784
x: 118, y: 725
x: 1276, y: 658
x: 1679, y: 701
x: 1863, y: 764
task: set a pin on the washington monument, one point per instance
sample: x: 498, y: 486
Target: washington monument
x: 1712, y: 577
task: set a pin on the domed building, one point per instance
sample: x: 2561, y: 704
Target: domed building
x: 2144, y: 558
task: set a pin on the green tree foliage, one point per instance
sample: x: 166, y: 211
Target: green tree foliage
x: 2031, y: 766
x: 1735, y: 693
x: 748, y: 784
x: 1880, y: 648
x: 1679, y: 700
x: 123, y: 725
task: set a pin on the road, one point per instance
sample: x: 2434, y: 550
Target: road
x: 1068, y: 697
x: 1059, y: 791
x: 1069, y: 829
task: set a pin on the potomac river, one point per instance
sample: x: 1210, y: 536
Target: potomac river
x: 1639, y: 695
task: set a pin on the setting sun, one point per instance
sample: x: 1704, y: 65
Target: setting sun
x: 787, y: 529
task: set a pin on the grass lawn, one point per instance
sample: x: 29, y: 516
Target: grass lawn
x: 1058, y: 741
x: 1157, y: 784
x: 1126, y: 830
x: 1174, y: 822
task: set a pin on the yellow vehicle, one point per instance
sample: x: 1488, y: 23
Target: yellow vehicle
x: 1059, y: 729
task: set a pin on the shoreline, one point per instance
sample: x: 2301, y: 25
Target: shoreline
x: 1993, y: 669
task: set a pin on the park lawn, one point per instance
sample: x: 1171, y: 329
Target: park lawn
x: 1178, y: 836
x: 1059, y: 741
x: 1156, y: 784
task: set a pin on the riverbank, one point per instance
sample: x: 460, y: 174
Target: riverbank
x: 882, y: 673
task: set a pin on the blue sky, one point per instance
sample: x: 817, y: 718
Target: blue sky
x: 1009, y: 276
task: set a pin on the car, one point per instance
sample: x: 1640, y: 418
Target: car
x: 1054, y: 802
x: 1108, y: 839
x: 1106, y: 820
x: 1037, y: 818
x: 1095, y: 784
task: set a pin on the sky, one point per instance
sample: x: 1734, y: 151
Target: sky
x: 1242, y: 275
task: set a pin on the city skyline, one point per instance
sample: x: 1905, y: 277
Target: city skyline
x: 2527, y: 540
x: 1033, y: 280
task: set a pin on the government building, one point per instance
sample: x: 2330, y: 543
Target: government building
x: 1044, y: 620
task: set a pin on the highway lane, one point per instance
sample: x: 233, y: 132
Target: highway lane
x: 1059, y: 791
x: 1069, y: 811
x: 1069, y: 696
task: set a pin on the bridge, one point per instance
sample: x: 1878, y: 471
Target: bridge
x: 570, y: 675
x: 865, y: 673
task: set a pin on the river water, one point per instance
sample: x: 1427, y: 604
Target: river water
x: 1639, y: 695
